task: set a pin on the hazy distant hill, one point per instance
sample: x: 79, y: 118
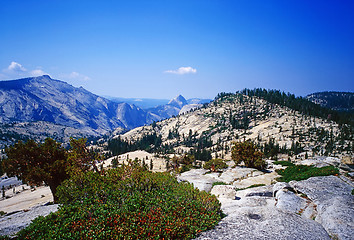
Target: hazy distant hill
x: 149, y: 103
x: 340, y: 101
x: 45, y: 99
x: 143, y: 103
x: 159, y: 109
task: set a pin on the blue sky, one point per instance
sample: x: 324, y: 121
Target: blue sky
x: 159, y: 49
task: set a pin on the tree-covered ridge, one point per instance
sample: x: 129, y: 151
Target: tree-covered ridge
x: 300, y: 104
x: 209, y: 132
x: 340, y: 101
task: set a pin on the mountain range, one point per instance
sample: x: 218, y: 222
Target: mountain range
x: 278, y: 127
x: 45, y: 99
x: 340, y: 101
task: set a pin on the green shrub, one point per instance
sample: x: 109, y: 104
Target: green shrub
x: 127, y: 203
x: 302, y: 172
x: 215, y: 165
x: 185, y: 168
x: 353, y: 191
x: 219, y: 183
x: 252, y: 186
x: 247, y: 153
x: 284, y: 163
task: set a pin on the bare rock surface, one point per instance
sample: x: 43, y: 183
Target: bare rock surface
x: 224, y: 191
x: 200, y: 180
x: 316, y: 208
x: 254, y: 216
x: 13, y: 222
x: 335, y: 204
x: 289, y: 201
x: 267, y: 179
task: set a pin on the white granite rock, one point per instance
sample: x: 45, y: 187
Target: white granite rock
x: 289, y: 201
x: 224, y: 191
x: 280, y: 185
x: 335, y: 204
x: 12, y: 223
x: 198, y: 178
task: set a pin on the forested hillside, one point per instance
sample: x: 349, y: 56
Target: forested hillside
x: 340, y: 101
x: 280, y: 124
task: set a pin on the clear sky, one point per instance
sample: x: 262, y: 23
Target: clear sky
x: 197, y: 48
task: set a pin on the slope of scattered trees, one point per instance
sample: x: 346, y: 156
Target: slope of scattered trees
x: 300, y: 104
x: 341, y: 101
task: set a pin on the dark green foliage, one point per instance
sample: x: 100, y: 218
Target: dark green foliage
x: 353, y: 191
x: 35, y: 163
x: 186, y: 168
x: 215, y: 165
x: 302, y: 172
x: 252, y: 186
x: 342, y: 101
x: 127, y: 203
x: 149, y: 143
x: 271, y: 149
x: 284, y: 163
x: 218, y: 183
x: 247, y: 153
x: 1, y: 170
x: 223, y: 95
x: 301, y: 104
x: 203, y: 155
x: 48, y: 162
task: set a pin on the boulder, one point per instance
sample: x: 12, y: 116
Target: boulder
x: 198, y: 178
x: 224, y: 191
x: 335, y: 204
x: 256, y: 223
x: 321, y: 161
x: 267, y: 179
x: 289, y: 201
x: 280, y: 185
x: 237, y: 173
x: 349, y: 160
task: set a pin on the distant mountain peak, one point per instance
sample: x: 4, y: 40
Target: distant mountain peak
x: 44, y: 76
x: 179, y: 101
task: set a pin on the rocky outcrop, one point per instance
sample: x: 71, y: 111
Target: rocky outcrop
x: 253, y: 215
x: 200, y: 180
x: 13, y: 222
x: 224, y: 191
x: 335, y: 204
x: 316, y: 208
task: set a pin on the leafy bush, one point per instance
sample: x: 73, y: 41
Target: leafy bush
x: 252, y: 186
x: 302, y: 172
x: 185, y: 168
x: 284, y: 163
x: 127, y: 203
x: 247, y: 153
x: 215, y: 165
x: 218, y: 183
